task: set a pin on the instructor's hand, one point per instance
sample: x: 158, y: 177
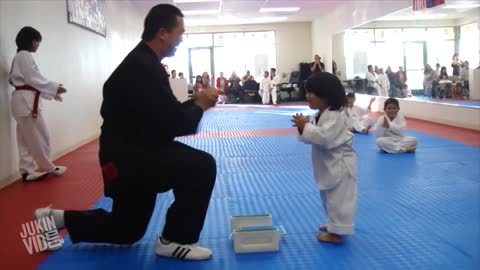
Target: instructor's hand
x: 207, y: 98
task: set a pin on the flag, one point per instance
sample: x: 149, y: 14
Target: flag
x: 434, y: 3
x: 423, y: 4
x: 419, y: 5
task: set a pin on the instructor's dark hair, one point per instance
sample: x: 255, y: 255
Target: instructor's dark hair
x: 327, y: 86
x: 25, y: 37
x: 160, y: 16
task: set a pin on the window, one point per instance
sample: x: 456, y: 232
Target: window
x: 198, y: 40
x: 441, y: 51
x: 414, y: 34
x: 440, y: 33
x: 390, y: 34
x: 469, y: 44
x: 235, y: 51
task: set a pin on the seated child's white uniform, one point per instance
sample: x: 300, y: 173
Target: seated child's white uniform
x: 334, y: 167
x: 393, y: 139
x: 356, y: 118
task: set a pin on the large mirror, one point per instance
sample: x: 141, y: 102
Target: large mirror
x: 410, y: 42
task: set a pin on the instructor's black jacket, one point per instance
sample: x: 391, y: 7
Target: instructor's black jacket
x: 140, y: 112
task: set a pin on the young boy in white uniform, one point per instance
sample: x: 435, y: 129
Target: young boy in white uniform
x: 266, y: 88
x: 333, y: 157
x: 357, y: 117
x: 275, y: 82
x: 31, y: 87
x: 390, y: 130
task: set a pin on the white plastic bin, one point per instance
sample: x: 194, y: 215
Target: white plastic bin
x: 256, y: 239
x: 238, y: 222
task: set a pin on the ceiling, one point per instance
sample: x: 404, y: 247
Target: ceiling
x: 236, y: 12
x: 247, y: 11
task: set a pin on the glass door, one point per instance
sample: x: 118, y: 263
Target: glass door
x: 200, y: 60
x: 414, y: 53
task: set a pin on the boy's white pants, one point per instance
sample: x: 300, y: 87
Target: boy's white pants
x: 33, y: 140
x: 266, y: 96
x: 396, y: 144
x: 340, y: 204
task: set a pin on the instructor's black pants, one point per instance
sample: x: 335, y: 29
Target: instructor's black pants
x: 189, y: 172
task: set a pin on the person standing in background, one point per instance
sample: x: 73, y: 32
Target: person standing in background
x: 456, y: 64
x: 33, y: 137
x: 317, y: 65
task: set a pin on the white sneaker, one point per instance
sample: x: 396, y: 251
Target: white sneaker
x: 59, y: 170
x: 34, y: 176
x: 182, y: 252
x: 46, y: 212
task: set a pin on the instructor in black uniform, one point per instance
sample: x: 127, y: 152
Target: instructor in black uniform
x: 138, y: 154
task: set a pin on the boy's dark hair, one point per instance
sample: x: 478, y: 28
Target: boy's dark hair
x: 160, y: 16
x: 391, y: 101
x: 327, y: 86
x: 273, y: 69
x: 25, y: 37
x: 351, y: 95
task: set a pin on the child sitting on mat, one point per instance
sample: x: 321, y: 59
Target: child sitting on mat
x: 357, y: 117
x: 390, y: 130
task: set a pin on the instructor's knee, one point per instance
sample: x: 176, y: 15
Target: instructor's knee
x: 128, y: 236
x: 206, y: 162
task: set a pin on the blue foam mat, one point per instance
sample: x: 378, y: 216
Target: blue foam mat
x: 414, y: 211
x: 459, y: 102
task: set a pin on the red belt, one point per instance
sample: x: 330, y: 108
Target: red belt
x: 37, y: 97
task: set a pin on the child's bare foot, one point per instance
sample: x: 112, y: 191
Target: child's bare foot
x: 410, y: 149
x: 323, y: 228
x: 329, y: 238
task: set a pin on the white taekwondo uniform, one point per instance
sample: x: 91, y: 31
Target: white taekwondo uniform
x: 33, y: 137
x: 334, y: 166
x: 357, y: 118
x: 393, y: 139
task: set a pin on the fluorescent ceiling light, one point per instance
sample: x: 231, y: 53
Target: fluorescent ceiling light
x: 200, y: 12
x: 194, y: 1
x: 284, y: 9
x: 462, y: 6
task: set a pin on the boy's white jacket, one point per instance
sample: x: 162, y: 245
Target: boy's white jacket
x: 397, y: 127
x: 24, y: 71
x: 333, y: 156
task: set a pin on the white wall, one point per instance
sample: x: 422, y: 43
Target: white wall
x: 346, y: 15
x: 293, y: 40
x: 78, y: 58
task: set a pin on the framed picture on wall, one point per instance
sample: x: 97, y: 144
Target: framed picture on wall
x: 89, y: 14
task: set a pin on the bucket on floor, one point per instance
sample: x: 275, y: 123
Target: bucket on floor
x: 256, y: 239
x: 238, y: 222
